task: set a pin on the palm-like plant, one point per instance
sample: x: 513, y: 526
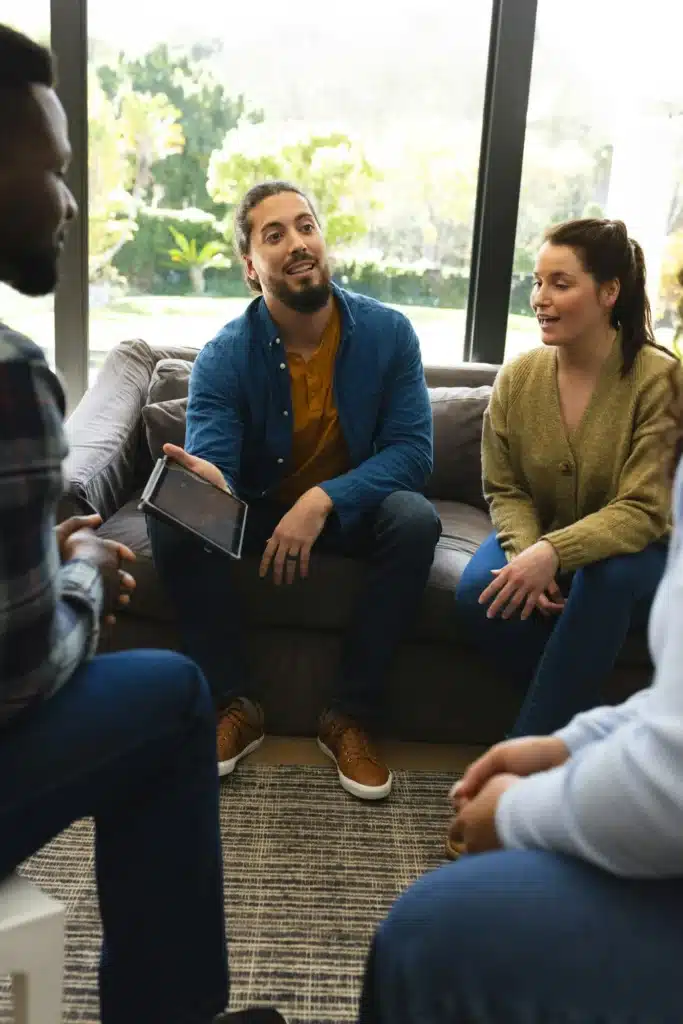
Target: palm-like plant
x: 196, y: 261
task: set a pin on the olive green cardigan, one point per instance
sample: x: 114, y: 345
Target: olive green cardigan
x: 600, y: 491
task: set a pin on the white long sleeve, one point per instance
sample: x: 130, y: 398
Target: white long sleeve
x: 618, y: 801
x: 597, y: 724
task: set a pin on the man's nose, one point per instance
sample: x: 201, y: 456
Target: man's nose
x: 71, y: 206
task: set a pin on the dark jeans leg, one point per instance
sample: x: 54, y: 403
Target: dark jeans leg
x: 563, y: 662
x: 131, y: 741
x: 604, y: 599
x: 514, y: 647
x: 399, y: 542
x: 517, y: 937
x: 200, y: 586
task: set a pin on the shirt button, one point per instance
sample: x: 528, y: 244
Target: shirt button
x: 282, y: 366
x: 565, y: 468
x: 277, y: 341
x: 280, y: 461
x: 285, y: 413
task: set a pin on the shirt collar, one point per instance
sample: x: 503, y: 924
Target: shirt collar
x: 269, y: 328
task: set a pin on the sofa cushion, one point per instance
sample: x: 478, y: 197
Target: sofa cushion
x: 458, y: 415
x: 325, y: 600
x: 165, y: 422
x: 170, y: 379
x: 308, y: 605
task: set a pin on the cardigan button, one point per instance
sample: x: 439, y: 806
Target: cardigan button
x: 565, y: 468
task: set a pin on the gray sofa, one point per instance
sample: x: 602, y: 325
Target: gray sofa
x: 440, y: 690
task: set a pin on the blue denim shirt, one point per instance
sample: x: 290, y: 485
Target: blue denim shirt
x: 239, y: 413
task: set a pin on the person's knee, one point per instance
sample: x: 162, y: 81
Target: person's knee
x: 411, y: 521
x: 176, y: 681
x: 419, y: 920
x: 468, y: 590
x: 475, y: 578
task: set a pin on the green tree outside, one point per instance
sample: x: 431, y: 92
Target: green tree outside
x: 206, y: 111
x: 329, y: 165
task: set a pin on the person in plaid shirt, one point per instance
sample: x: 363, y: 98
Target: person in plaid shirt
x: 128, y: 738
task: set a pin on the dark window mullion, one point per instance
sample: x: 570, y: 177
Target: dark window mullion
x: 506, y: 101
x: 69, y: 40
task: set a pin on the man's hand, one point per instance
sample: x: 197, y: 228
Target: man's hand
x: 475, y: 824
x: 106, y: 556
x: 522, y: 581
x: 201, y: 467
x: 295, y: 535
x: 525, y: 756
x: 70, y: 526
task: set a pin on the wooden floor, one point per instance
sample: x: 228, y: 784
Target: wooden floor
x: 431, y: 757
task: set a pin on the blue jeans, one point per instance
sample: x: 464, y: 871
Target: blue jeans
x: 130, y: 741
x: 564, y: 661
x: 528, y: 937
x: 397, y: 542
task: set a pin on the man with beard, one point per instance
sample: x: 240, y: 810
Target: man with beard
x: 313, y: 407
x: 127, y: 739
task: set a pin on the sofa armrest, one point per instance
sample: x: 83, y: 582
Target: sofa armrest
x: 108, y: 453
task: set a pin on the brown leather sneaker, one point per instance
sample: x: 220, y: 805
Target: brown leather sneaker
x: 361, y: 771
x: 239, y: 731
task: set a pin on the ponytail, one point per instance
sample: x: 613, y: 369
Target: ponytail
x: 632, y: 309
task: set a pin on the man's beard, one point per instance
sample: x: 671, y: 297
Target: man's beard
x: 308, y: 299
x: 31, y: 273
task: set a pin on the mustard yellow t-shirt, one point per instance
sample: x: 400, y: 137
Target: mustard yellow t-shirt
x: 319, y: 451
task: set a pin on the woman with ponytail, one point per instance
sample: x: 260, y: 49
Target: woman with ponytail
x: 572, y: 475
x: 569, y: 903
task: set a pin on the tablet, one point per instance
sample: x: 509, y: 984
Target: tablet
x: 181, y: 498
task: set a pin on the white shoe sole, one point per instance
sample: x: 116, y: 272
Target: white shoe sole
x: 228, y: 767
x: 355, y: 788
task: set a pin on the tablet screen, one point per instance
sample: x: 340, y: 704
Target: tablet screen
x: 215, y: 514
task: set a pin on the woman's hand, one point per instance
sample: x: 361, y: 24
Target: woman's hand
x: 551, y: 602
x: 521, y: 582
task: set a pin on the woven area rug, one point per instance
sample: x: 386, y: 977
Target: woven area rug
x: 309, y: 872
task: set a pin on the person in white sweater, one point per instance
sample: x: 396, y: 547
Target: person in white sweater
x: 574, y: 912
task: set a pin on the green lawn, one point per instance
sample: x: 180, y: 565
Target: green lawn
x: 192, y: 321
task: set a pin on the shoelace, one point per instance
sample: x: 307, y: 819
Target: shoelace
x: 233, y: 720
x: 356, y: 744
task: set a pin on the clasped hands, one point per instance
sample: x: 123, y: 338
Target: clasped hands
x: 525, y: 583
x: 475, y: 798
x: 76, y: 539
x: 288, y: 551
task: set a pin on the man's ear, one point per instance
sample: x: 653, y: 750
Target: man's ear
x: 249, y: 269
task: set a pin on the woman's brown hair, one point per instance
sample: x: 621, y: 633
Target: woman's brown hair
x: 607, y: 254
x: 676, y: 384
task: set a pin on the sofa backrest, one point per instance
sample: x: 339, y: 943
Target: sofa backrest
x: 139, y: 399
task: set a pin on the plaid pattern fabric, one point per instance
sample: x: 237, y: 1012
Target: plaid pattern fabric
x: 49, y: 613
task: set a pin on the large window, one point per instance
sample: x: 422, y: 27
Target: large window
x: 33, y: 317
x: 376, y: 112
x: 604, y: 138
